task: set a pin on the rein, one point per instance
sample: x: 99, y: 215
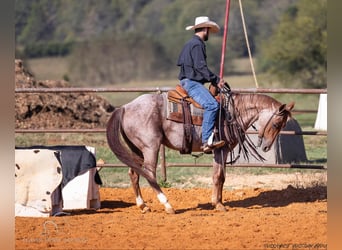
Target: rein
x: 235, y: 132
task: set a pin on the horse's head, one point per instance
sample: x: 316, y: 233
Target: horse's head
x: 271, y: 124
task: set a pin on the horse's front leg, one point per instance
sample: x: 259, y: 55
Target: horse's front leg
x: 136, y: 188
x: 219, y: 176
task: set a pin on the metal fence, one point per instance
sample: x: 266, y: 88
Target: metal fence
x: 163, y: 163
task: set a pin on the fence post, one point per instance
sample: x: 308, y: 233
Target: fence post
x: 321, y: 117
x: 162, y: 162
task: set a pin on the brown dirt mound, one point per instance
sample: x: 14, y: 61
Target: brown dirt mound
x: 256, y: 219
x: 60, y: 110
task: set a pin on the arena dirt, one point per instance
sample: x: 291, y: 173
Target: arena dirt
x: 290, y: 218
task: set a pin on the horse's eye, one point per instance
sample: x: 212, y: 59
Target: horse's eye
x: 275, y: 125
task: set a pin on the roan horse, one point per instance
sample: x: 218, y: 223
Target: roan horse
x: 136, y: 131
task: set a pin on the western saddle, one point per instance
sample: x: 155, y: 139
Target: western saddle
x: 179, y: 96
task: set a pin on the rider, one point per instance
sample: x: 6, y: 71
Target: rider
x: 194, y: 73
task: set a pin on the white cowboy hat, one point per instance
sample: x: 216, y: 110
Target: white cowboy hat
x: 203, y: 22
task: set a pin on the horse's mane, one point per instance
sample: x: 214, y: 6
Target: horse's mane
x: 259, y: 101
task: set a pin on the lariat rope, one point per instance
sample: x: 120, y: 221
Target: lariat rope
x: 247, y: 42
x: 220, y: 134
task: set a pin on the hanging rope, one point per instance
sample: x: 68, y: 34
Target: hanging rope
x: 224, y: 39
x: 248, y: 47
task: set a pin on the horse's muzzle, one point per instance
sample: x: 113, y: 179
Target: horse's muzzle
x: 259, y: 141
x: 266, y: 148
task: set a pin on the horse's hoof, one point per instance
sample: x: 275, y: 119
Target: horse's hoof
x: 220, y: 207
x: 170, y: 210
x: 144, y: 209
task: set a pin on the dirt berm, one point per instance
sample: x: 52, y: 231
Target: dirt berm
x: 56, y: 110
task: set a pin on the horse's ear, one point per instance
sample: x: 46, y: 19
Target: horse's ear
x: 281, y: 108
x: 290, y: 106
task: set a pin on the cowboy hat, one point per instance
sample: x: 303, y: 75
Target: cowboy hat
x: 204, y: 22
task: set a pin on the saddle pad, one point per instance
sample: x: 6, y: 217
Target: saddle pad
x: 175, y: 113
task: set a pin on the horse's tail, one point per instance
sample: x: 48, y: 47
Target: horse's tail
x: 125, y: 150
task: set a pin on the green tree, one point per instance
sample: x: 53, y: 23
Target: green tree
x: 43, y: 27
x: 298, y: 48
x: 41, y: 20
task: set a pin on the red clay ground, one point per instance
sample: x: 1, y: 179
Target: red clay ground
x: 256, y: 219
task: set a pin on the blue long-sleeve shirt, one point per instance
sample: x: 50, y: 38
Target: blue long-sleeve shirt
x: 193, y: 62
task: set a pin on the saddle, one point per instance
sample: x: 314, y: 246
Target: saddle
x: 179, y: 95
x: 183, y: 109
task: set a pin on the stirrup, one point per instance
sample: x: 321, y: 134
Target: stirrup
x: 206, y: 147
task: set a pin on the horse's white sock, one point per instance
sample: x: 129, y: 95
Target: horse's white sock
x: 139, y: 200
x: 162, y: 198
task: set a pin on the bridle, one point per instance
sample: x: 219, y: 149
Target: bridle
x: 234, y: 130
x: 276, y: 113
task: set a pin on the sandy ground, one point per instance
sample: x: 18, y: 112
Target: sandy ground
x: 257, y: 218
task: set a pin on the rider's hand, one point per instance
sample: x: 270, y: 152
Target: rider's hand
x: 221, y: 83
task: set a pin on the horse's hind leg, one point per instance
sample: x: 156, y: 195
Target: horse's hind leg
x: 151, y: 178
x: 161, y: 196
x: 136, y: 188
x: 150, y: 164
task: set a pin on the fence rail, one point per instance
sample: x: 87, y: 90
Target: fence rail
x: 103, y: 130
x: 165, y: 89
x: 163, y: 162
x: 251, y: 165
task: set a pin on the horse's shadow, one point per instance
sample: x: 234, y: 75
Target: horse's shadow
x: 110, y: 204
x: 107, y: 207
x: 277, y: 198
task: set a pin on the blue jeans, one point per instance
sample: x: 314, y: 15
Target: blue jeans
x: 202, y: 95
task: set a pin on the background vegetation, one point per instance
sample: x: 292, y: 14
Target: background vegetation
x: 115, y: 41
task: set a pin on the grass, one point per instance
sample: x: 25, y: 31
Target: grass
x: 48, y: 68
x: 55, y: 68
